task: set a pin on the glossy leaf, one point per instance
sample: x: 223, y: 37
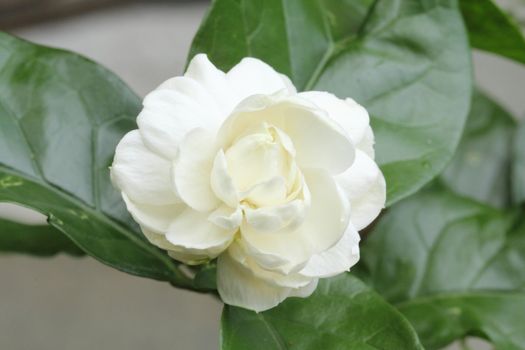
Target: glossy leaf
x: 40, y: 240
x: 341, y: 314
x: 480, y: 168
x: 490, y: 29
x: 439, y: 244
x: 407, y: 62
x: 518, y: 165
x: 61, y: 117
x: 441, y: 319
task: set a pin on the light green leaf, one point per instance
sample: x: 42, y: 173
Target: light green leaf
x: 437, y: 244
x: 341, y: 314
x: 518, y: 165
x: 490, y: 29
x: 40, y: 240
x: 407, y: 62
x: 480, y: 168
x: 61, y: 117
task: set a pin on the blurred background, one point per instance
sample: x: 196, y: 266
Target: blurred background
x: 78, y: 303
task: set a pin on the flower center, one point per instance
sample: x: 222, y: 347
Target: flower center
x: 263, y: 168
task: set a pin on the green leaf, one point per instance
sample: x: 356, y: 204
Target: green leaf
x: 61, y: 117
x: 41, y: 240
x: 438, y: 245
x: 341, y: 314
x: 440, y: 319
x: 407, y: 62
x: 480, y: 168
x: 490, y: 29
x: 518, y: 165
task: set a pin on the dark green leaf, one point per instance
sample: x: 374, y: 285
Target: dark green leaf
x: 492, y: 30
x: 407, y: 62
x: 61, y: 117
x: 41, y: 240
x: 342, y: 313
x: 480, y: 169
x: 518, y: 165
x: 440, y: 319
x: 439, y: 244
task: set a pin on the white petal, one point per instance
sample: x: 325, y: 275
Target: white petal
x: 319, y: 141
x: 324, y: 225
x: 172, y: 110
x: 252, y: 76
x: 365, y: 187
x: 285, y: 216
x: 337, y: 259
x: 226, y: 217
x: 192, y: 171
x: 221, y: 181
x: 293, y: 280
x: 266, y: 193
x: 214, y: 81
x: 193, y: 233
x: 141, y: 174
x: 347, y: 113
x: 367, y: 143
x: 238, y: 286
x: 306, y: 291
x: 155, y: 218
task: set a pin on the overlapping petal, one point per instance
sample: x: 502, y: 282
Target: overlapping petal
x: 192, y: 171
x: 365, y: 187
x: 337, y: 259
x: 141, y: 174
x: 302, y: 121
x: 326, y: 220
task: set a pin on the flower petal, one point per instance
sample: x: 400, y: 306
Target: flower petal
x: 293, y: 280
x: 155, y: 218
x: 193, y: 233
x: 141, y: 174
x: 221, y: 181
x: 347, y: 113
x: 337, y: 259
x: 192, y: 171
x: 325, y: 222
x: 318, y: 141
x: 285, y: 216
x: 226, y: 217
x: 365, y: 187
x: 238, y: 286
x: 214, y: 81
x: 172, y: 110
x: 252, y: 76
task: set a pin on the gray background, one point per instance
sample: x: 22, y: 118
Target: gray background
x: 71, y: 303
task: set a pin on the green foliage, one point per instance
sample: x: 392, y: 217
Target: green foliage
x: 518, y: 165
x: 342, y: 313
x: 491, y: 30
x: 480, y: 168
x: 61, y: 117
x: 39, y: 240
x: 407, y: 62
x: 438, y: 248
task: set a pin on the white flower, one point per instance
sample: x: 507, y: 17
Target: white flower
x: 240, y: 166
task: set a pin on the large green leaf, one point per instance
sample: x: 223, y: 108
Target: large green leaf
x: 492, y: 30
x: 406, y: 61
x: 518, y: 165
x: 41, y: 240
x: 480, y: 168
x: 435, y: 245
x: 341, y: 314
x: 61, y: 117
x: 440, y: 319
